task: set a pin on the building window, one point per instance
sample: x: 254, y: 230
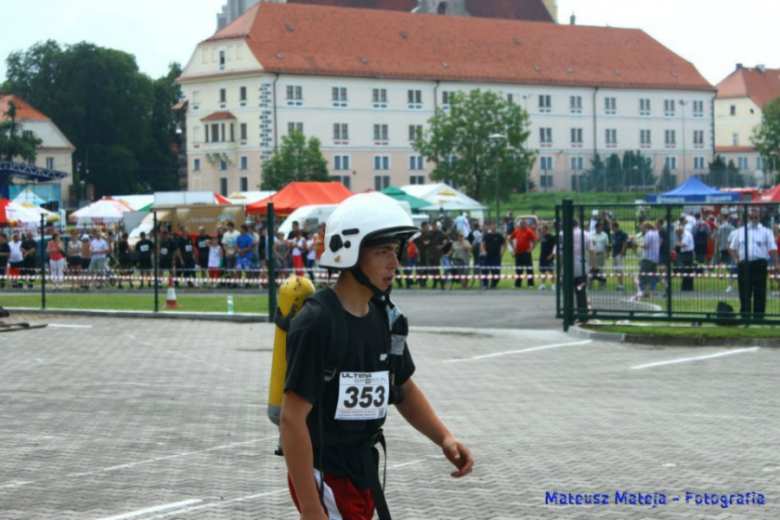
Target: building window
x: 381, y: 133
x: 445, y: 99
x: 415, y: 132
x: 340, y: 132
x: 417, y: 179
x: 341, y: 162
x: 545, y: 104
x: 742, y: 163
x: 346, y: 180
x: 545, y: 163
x: 242, y: 95
x: 221, y: 60
x: 232, y: 132
x: 546, y: 181
x: 381, y: 182
x: 733, y: 110
x: 576, y: 137
x: 416, y: 162
x: 244, y: 163
x: 196, y: 165
x: 575, y: 105
x: 610, y: 106
x: 611, y: 136
x: 50, y: 163
x: 294, y: 127
x: 223, y: 186
x: 670, y: 162
x: 381, y: 162
x: 645, y: 138
x: 545, y: 137
x: 339, y: 97
x: 698, y: 138
x: 670, y: 138
x: 222, y: 165
x: 294, y: 96
x: 735, y: 139
x: 510, y: 98
x: 698, y: 109
x: 669, y: 108
x: 244, y: 186
x: 698, y: 163
x: 379, y: 98
x: 644, y: 107
x: 414, y: 99
x: 760, y: 163
x: 577, y: 163
x: 243, y: 132
x: 222, y: 96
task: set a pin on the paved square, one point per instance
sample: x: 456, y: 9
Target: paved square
x: 151, y: 419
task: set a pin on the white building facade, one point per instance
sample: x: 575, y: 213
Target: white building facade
x: 240, y: 106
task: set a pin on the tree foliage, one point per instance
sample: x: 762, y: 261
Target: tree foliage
x: 766, y: 136
x: 460, y: 146
x: 119, y: 120
x: 297, y: 160
x: 14, y: 143
x: 617, y: 175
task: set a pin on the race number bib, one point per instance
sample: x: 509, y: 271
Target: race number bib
x: 163, y: 251
x: 363, y: 396
x: 144, y: 249
x: 188, y: 248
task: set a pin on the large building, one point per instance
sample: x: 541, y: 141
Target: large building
x: 365, y: 82
x: 738, y: 110
x: 533, y: 10
x: 55, y: 154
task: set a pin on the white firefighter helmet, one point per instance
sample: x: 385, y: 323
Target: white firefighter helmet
x: 361, y: 220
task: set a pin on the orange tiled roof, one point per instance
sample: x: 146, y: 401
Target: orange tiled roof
x: 327, y: 41
x: 761, y: 87
x: 218, y: 116
x: 23, y: 110
x: 734, y: 149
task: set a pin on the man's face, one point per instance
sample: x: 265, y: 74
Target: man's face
x: 753, y: 217
x: 615, y: 229
x: 379, y: 264
x: 598, y: 228
x: 202, y: 232
x: 97, y: 233
x: 523, y: 225
x: 493, y: 227
x: 545, y: 230
x: 296, y: 226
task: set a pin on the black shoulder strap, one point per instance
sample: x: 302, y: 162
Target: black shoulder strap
x: 337, y: 349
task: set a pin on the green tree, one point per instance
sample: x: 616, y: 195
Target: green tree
x: 717, y: 173
x: 460, y: 146
x: 13, y: 141
x: 668, y: 181
x: 734, y: 179
x: 297, y: 160
x: 766, y: 136
x: 595, y: 176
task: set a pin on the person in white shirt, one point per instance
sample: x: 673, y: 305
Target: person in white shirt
x: 583, y: 257
x: 684, y: 249
x: 600, y: 246
x: 750, y: 246
x: 99, y: 248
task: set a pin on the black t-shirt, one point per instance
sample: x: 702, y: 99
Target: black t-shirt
x: 307, y: 341
x: 144, y: 249
x: 167, y: 248
x: 5, y: 251
x: 123, y: 248
x: 493, y: 243
x: 547, y: 247
x: 184, y: 244
x: 202, y: 245
x: 27, y: 245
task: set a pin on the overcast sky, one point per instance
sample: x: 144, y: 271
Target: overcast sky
x: 713, y: 34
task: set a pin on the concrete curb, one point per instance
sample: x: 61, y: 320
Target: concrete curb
x: 230, y: 318
x: 669, y: 341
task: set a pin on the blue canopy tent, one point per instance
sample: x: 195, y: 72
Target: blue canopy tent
x: 693, y: 190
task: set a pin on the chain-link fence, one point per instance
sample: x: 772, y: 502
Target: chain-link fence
x: 695, y: 262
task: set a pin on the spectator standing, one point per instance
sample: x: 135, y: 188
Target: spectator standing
x: 99, y: 249
x: 509, y: 223
x: 583, y: 258
x: 298, y: 244
x: 28, y: 254
x: 547, y: 258
x: 462, y: 224
x: 202, y: 246
x: 594, y: 220
x: 475, y: 239
x: 684, y: 248
x: 523, y: 240
x: 294, y: 232
x: 166, y: 252
x: 750, y: 247
x: 86, y: 260
x: 56, y: 251
x: 311, y: 254
x: 600, y: 248
x: 125, y: 260
x: 618, y: 247
x: 214, y: 261
x: 492, y: 247
x: 143, y: 250
x: 665, y: 249
x: 436, y: 243
x: 649, y: 265
x: 229, y: 247
x: 701, y: 238
x: 282, y: 253
x: 186, y: 252
x: 421, y: 243
x: 722, y: 235
x: 15, y: 260
x: 461, y: 257
x: 244, y: 245
x: 74, y: 259
x: 5, y: 252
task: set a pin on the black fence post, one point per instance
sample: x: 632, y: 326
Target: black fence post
x: 271, y: 264
x: 43, y: 261
x: 557, y: 279
x: 670, y: 264
x: 568, y: 262
x: 743, y: 269
x: 156, y: 273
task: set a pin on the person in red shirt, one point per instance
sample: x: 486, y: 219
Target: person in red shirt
x: 523, y: 239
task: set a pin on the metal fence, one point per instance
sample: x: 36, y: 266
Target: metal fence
x: 694, y: 262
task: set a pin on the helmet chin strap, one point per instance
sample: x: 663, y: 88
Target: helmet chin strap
x: 362, y: 279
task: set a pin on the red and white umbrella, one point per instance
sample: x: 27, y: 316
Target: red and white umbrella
x: 103, y: 210
x: 16, y: 215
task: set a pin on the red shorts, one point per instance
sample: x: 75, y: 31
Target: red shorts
x: 342, y: 501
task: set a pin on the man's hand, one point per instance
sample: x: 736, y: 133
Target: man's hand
x: 459, y: 455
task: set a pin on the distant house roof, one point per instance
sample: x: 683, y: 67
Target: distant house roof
x: 533, y: 10
x: 300, y: 39
x: 23, y: 109
x: 218, y: 116
x: 734, y: 149
x: 759, y: 84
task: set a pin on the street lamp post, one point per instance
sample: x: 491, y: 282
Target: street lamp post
x: 682, y: 112
x: 496, y: 138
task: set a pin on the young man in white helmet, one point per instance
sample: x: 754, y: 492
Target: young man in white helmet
x: 331, y: 418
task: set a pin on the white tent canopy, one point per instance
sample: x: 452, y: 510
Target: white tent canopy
x: 106, y: 210
x: 443, y: 196
x: 27, y: 195
x: 137, y: 202
x: 244, y: 198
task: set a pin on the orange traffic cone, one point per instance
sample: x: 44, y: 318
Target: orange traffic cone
x: 170, y: 302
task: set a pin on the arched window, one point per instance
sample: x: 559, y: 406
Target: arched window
x: 442, y: 9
